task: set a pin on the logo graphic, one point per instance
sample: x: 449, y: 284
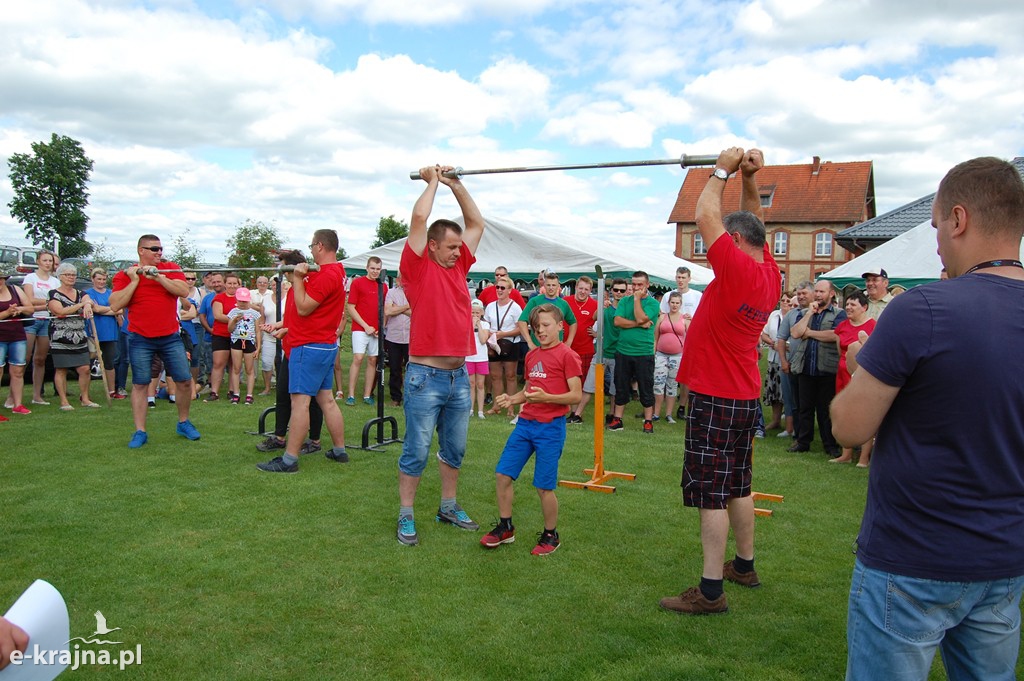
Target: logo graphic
x: 101, y: 630
x: 537, y: 371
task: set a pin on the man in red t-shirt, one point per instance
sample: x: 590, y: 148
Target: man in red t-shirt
x: 363, y: 311
x: 313, y: 311
x: 489, y: 293
x: 434, y: 265
x: 151, y: 298
x: 585, y: 309
x: 720, y: 368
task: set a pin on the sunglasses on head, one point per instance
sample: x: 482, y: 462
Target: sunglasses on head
x: 154, y: 249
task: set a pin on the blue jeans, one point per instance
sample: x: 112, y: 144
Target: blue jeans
x: 895, y: 623
x: 171, y: 351
x: 434, y: 399
x: 122, y: 363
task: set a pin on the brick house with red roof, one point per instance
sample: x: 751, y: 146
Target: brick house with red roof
x: 805, y: 206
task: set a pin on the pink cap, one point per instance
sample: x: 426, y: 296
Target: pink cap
x: 243, y: 294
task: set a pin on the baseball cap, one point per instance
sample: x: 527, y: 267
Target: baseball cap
x: 243, y: 294
x: 875, y: 272
x: 7, y: 269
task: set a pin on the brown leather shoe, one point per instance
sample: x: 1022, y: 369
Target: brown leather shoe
x: 692, y: 602
x: 747, y: 579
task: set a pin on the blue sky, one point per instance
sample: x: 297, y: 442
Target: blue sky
x: 311, y: 113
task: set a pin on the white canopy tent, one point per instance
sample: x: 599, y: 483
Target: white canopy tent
x: 910, y: 259
x: 526, y: 253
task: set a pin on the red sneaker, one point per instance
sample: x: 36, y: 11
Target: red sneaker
x: 498, y: 536
x: 547, y: 544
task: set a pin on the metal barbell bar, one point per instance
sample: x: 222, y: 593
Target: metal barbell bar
x: 683, y: 161
x: 313, y: 267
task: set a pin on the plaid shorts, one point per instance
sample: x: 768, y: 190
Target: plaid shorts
x: 719, y: 445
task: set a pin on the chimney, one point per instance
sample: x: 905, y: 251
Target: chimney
x: 816, y: 166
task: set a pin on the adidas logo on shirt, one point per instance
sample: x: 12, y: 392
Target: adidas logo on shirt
x: 537, y: 371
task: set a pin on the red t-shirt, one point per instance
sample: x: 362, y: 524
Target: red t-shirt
x: 720, y: 355
x: 228, y: 303
x: 441, y: 323
x: 327, y: 287
x: 586, y: 315
x: 489, y: 294
x: 363, y: 294
x: 550, y: 370
x: 152, y: 310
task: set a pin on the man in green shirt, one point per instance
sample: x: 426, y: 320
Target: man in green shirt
x: 635, y: 318
x: 552, y: 294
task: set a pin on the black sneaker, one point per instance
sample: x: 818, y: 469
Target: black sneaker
x: 681, y: 412
x: 270, y: 444
x: 488, y: 399
x: 574, y: 418
x: 615, y: 424
x: 339, y: 457
x: 648, y: 428
x: 308, y: 447
x: 608, y: 419
x: 212, y: 397
x: 277, y: 465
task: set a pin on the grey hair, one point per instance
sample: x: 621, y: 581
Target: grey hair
x: 66, y: 267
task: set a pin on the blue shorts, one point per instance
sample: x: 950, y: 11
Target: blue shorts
x: 13, y: 352
x: 547, y: 439
x: 40, y: 327
x: 311, y: 368
x: 170, y: 349
x: 434, y: 399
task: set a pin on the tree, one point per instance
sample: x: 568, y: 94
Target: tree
x: 51, y: 194
x: 185, y: 253
x: 389, y: 229
x: 253, y: 245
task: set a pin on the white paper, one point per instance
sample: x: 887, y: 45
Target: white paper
x: 42, y: 613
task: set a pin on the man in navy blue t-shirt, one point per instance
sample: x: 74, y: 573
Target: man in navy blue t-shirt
x: 940, y: 554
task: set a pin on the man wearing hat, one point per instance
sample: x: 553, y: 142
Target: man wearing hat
x: 876, y: 281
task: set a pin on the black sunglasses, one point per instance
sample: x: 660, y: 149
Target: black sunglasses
x: 501, y: 288
x: 190, y: 278
x: 619, y: 290
x: 154, y: 249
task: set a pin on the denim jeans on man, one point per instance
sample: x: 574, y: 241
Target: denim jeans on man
x: 434, y: 399
x: 895, y: 623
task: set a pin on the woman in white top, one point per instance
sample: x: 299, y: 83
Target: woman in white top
x: 502, y: 316
x: 772, y: 392
x: 263, y: 299
x: 37, y: 286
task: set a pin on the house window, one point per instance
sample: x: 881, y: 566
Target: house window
x: 781, y: 243
x: 766, y: 197
x: 698, y: 245
x: 823, y: 244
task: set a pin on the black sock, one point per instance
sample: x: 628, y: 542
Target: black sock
x: 711, y: 588
x: 552, y: 532
x: 742, y: 565
x: 506, y: 522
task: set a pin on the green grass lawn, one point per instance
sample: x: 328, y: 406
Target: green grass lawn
x: 220, y: 571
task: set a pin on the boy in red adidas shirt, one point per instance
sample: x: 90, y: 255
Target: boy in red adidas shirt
x: 552, y: 384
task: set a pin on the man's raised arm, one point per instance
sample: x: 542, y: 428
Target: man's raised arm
x: 709, y: 205
x: 750, y: 199
x: 474, y: 230
x: 417, y: 240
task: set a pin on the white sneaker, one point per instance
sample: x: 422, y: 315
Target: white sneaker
x: 785, y: 433
x: 669, y: 419
x: 515, y: 420
x: 480, y: 415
